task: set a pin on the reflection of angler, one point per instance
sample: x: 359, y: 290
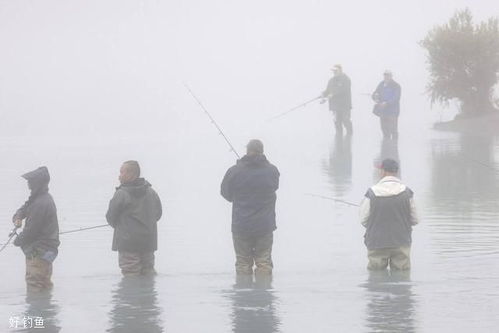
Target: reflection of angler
x: 253, y: 310
x: 135, y: 307
x: 212, y: 121
x: 390, y: 303
x: 302, y: 105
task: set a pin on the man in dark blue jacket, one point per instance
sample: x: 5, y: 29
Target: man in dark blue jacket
x: 251, y: 185
x: 39, y: 239
x: 387, y: 107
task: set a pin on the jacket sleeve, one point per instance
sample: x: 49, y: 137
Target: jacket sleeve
x: 34, y: 224
x: 276, y: 179
x: 20, y: 214
x: 116, y: 206
x: 226, y: 186
x: 414, y: 213
x: 365, y: 210
x: 375, y: 94
x: 158, y: 207
x: 327, y: 91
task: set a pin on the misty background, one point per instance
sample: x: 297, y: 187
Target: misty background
x: 85, y: 85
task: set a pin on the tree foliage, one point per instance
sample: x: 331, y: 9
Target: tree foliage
x: 463, y: 60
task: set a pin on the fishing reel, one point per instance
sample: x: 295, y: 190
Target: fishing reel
x: 13, y: 232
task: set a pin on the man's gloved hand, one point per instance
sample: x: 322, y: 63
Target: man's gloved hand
x: 18, y: 223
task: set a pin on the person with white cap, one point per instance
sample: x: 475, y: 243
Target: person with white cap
x: 388, y: 213
x: 387, y: 107
x: 338, y: 93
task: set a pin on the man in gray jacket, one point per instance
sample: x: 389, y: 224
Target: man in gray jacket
x: 388, y: 213
x: 134, y: 212
x: 39, y: 239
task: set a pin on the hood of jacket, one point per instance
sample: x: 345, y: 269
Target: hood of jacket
x: 38, y: 181
x: 136, y: 188
x: 388, y: 186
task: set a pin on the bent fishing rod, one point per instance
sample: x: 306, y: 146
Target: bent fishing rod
x: 296, y: 107
x: 14, y: 233
x: 212, y: 120
x: 333, y: 199
x: 11, y: 235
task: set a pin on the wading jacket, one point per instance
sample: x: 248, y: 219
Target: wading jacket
x: 134, y: 212
x: 339, y: 93
x: 41, y: 229
x: 388, y: 213
x: 251, y: 186
x: 389, y: 93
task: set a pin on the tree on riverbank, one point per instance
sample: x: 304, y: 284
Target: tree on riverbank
x: 463, y: 60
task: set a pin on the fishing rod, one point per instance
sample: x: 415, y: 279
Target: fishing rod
x: 485, y: 165
x: 296, y: 107
x: 212, y: 121
x: 332, y: 199
x: 83, y: 229
x: 11, y: 235
x: 14, y: 233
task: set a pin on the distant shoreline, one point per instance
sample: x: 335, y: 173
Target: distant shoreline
x: 486, y: 124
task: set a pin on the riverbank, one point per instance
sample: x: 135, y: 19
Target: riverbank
x: 486, y: 124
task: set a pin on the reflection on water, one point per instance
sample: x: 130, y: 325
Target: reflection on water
x: 40, y: 304
x: 390, y: 302
x: 135, y: 306
x: 388, y: 149
x: 253, y: 306
x: 339, y: 166
x: 464, y: 194
x: 464, y: 170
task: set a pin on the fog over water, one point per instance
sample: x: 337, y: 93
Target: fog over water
x: 85, y: 85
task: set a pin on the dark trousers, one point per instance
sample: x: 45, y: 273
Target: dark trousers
x: 342, y: 118
x: 135, y: 263
x: 389, y: 126
x: 253, y: 250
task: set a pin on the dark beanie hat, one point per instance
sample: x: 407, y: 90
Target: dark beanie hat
x: 255, y: 146
x: 390, y: 165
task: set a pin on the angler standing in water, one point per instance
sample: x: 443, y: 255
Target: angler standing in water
x: 338, y: 92
x: 134, y: 212
x: 39, y: 239
x: 251, y: 186
x: 388, y: 213
x: 387, y: 107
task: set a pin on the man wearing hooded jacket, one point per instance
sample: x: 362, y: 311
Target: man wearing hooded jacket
x: 251, y: 185
x: 134, y: 212
x: 39, y: 239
